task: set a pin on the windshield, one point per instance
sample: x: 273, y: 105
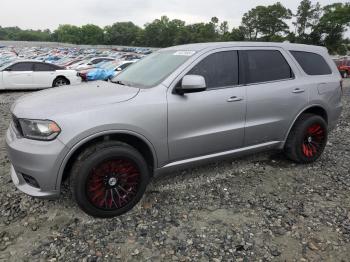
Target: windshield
x: 152, y: 69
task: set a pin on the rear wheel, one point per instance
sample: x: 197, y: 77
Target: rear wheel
x: 109, y: 179
x: 307, y: 139
x: 60, y: 81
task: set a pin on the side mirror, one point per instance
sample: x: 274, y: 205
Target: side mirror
x: 192, y: 84
x: 89, y: 63
x: 118, y: 69
x: 9, y: 69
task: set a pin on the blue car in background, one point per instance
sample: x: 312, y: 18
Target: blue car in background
x: 107, y: 70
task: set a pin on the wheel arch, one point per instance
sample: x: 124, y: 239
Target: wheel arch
x: 60, y: 76
x: 139, y: 142
x: 315, y: 109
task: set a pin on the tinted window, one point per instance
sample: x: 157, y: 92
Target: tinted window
x: 124, y: 66
x: 99, y: 60
x: 24, y: 66
x: 312, y: 64
x: 44, y: 67
x: 219, y: 69
x: 264, y: 65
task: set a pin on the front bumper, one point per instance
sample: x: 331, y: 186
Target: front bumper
x: 37, y: 160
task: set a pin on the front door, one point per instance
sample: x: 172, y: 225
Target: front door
x: 211, y: 121
x: 19, y: 75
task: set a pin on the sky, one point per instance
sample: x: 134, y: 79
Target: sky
x: 43, y: 14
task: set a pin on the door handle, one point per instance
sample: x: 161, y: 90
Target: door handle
x: 298, y: 91
x: 234, y: 99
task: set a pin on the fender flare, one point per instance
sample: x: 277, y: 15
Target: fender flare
x: 296, y: 118
x: 90, y: 137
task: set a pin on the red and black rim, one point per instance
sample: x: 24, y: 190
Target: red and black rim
x: 113, y: 184
x: 314, y: 140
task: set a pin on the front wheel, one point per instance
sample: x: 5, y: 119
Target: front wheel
x: 109, y: 179
x: 307, y: 139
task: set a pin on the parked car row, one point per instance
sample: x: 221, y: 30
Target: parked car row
x: 44, y: 67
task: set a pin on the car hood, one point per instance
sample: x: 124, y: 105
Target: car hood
x: 69, y: 99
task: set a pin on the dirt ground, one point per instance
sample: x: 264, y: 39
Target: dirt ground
x: 258, y: 208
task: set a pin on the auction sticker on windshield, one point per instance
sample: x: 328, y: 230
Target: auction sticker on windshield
x: 185, y: 53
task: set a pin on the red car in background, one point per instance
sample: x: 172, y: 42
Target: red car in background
x: 343, y: 67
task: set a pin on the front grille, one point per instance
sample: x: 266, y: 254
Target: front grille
x: 17, y: 125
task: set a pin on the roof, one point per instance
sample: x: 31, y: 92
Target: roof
x: 285, y: 45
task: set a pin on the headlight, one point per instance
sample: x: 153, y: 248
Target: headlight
x: 39, y: 129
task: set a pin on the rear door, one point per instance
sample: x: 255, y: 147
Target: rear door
x: 44, y: 75
x: 275, y: 94
x: 211, y: 121
x: 19, y: 76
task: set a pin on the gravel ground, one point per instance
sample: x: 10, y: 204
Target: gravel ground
x: 259, y: 208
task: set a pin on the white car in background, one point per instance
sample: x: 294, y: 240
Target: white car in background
x: 83, y: 65
x: 35, y: 75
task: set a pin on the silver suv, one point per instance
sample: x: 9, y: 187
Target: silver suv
x: 178, y: 107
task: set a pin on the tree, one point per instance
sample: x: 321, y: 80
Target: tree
x: 307, y: 17
x: 224, y: 28
x: 68, y: 34
x: 331, y: 27
x: 250, y: 23
x: 266, y: 22
x: 163, y: 32
x: 122, y: 33
x: 91, y: 35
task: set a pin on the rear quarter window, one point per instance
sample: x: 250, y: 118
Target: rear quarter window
x: 311, y: 63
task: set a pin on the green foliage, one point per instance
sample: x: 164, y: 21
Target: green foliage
x: 266, y: 22
x: 307, y: 17
x: 312, y: 25
x: 331, y: 27
x: 91, y: 34
x: 122, y: 33
x: 68, y: 34
x: 16, y: 34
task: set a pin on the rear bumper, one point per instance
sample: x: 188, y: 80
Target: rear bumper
x: 37, y: 160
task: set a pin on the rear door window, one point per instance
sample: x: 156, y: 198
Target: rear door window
x: 23, y: 66
x: 41, y: 67
x: 219, y: 69
x: 263, y: 66
x: 311, y: 63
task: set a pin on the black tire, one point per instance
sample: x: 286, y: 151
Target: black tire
x: 60, y: 81
x: 307, y: 139
x: 86, y: 176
